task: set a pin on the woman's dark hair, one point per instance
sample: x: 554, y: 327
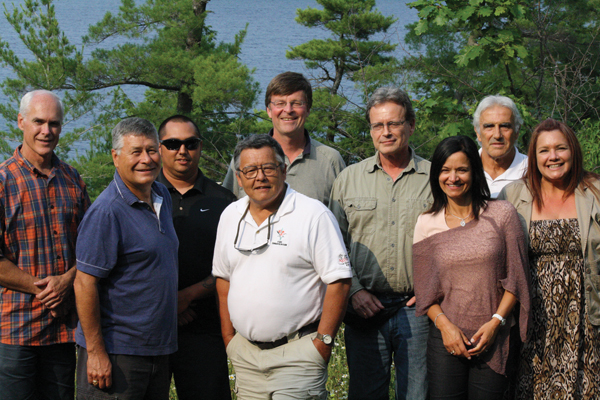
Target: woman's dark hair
x: 479, y: 191
x: 576, y: 176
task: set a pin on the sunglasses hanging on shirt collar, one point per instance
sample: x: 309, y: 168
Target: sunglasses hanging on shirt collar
x: 252, y: 246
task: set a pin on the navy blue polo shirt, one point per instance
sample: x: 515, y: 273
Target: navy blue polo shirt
x: 134, y: 253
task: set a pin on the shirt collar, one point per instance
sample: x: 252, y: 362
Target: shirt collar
x: 54, y: 162
x: 514, y: 171
x: 286, y: 206
x: 127, y: 194
x: 307, y: 147
x: 413, y: 165
x: 198, y: 185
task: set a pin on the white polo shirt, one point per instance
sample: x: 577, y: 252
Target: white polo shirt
x: 515, y: 172
x: 279, y: 288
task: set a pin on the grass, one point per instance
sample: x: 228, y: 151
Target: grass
x: 337, y: 383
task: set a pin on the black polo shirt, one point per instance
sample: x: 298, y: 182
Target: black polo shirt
x: 196, y: 217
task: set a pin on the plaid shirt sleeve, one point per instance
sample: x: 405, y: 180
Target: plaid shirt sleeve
x: 38, y: 231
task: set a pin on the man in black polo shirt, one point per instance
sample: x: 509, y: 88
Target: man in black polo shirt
x: 200, y: 364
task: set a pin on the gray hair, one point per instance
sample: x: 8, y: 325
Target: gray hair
x: 257, y: 142
x: 132, y: 126
x: 394, y: 95
x: 502, y: 101
x: 26, y: 101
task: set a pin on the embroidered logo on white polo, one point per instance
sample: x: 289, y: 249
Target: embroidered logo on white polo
x: 280, y: 238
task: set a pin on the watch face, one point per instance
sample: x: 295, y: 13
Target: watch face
x: 327, y: 339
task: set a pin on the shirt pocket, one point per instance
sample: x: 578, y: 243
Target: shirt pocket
x: 361, y: 214
x: 414, y: 208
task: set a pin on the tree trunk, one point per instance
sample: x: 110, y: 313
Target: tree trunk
x: 194, y: 38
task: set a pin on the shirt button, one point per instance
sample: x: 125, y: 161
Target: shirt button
x: 393, y: 222
x: 588, y: 288
x: 393, y: 245
x: 58, y: 257
x: 56, y: 233
x: 393, y: 200
x: 181, y: 208
x: 588, y: 271
x: 391, y: 268
x: 51, y: 206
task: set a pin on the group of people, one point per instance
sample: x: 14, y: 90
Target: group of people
x: 167, y: 274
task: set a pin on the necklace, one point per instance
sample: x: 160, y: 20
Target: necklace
x: 462, y: 220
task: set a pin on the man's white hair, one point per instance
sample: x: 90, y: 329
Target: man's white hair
x: 26, y: 101
x: 503, y: 101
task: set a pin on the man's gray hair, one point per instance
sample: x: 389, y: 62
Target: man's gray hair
x: 502, y: 101
x: 26, y: 101
x: 394, y: 95
x: 132, y: 126
x: 257, y: 142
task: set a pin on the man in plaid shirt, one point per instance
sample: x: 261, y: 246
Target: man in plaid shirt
x: 42, y: 201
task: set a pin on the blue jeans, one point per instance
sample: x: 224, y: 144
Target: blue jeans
x: 37, y: 372
x: 403, y: 339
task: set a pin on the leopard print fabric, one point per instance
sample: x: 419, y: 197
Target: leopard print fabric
x: 561, y: 359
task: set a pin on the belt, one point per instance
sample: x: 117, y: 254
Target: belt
x: 305, y: 330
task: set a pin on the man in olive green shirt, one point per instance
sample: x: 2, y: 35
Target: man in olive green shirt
x: 376, y: 203
x: 311, y: 167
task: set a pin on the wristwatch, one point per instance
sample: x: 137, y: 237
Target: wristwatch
x: 325, y: 338
x: 500, y: 318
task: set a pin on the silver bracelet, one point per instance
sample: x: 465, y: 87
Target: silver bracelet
x: 436, y: 317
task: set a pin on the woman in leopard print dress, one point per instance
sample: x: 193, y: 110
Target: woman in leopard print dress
x: 558, y: 200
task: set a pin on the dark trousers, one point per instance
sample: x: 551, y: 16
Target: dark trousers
x: 457, y: 378
x: 199, y: 367
x: 133, y: 378
x: 37, y: 372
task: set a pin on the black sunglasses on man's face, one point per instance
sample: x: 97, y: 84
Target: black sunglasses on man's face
x: 175, y: 144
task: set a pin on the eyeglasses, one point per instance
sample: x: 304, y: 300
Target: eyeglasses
x: 268, y: 169
x: 254, y: 246
x: 393, y: 126
x: 294, y: 104
x: 175, y: 144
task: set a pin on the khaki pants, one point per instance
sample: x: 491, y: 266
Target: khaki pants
x: 295, y: 370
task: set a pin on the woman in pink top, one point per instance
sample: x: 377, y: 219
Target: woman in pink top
x: 470, y: 271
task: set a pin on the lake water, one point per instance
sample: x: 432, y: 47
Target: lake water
x: 271, y: 31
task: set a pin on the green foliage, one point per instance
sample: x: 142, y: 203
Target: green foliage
x: 175, y: 55
x: 350, y: 54
x: 543, y: 54
x: 168, y: 50
x: 590, y: 146
x: 52, y: 64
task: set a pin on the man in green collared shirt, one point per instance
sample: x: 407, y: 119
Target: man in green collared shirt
x: 311, y: 167
x: 376, y: 203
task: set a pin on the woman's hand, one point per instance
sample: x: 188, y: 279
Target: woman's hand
x: 485, y: 337
x: 454, y: 339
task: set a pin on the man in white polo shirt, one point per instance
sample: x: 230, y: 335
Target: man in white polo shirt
x: 283, y: 278
x: 497, y: 122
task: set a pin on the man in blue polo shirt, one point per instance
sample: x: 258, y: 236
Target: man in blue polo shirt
x: 126, y: 283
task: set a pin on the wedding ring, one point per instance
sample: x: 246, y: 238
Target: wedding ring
x: 95, y: 383
x: 452, y: 353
